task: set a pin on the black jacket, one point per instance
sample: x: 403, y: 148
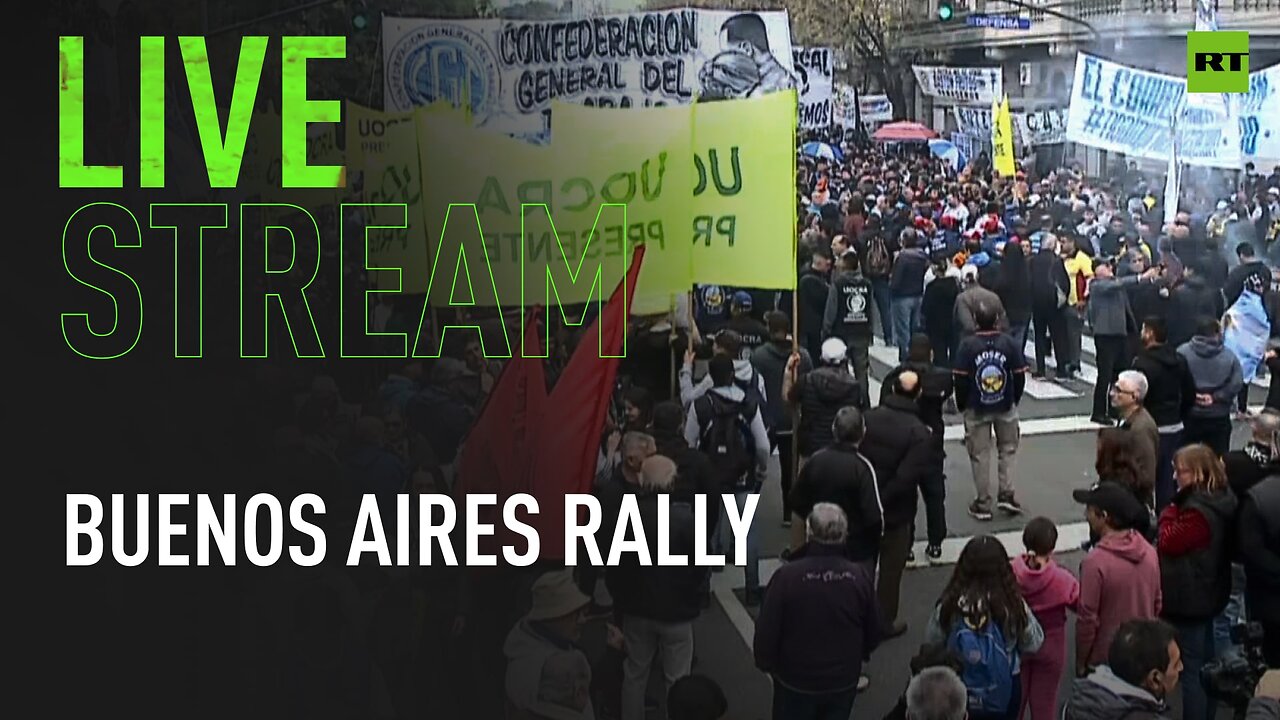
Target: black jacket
x: 1048, y: 277
x: 663, y: 593
x: 770, y: 360
x: 822, y: 393
x: 1189, y: 302
x: 936, y: 385
x: 1258, y: 536
x: 819, y: 621
x: 1273, y: 390
x: 937, y: 310
x: 900, y: 448
x: 907, y: 279
x: 1196, y: 585
x: 1252, y: 275
x: 848, y: 312
x: 1145, y: 301
x: 839, y: 474
x: 1171, y: 389
x: 811, y: 297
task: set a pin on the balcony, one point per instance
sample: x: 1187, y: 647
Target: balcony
x: 1111, y: 18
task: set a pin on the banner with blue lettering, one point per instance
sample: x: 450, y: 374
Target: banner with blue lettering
x: 1126, y: 109
x: 967, y: 85
x: 508, y: 71
x: 1259, y: 116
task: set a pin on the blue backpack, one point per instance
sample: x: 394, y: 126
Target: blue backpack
x: 988, y: 664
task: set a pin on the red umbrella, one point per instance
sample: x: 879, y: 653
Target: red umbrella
x: 904, y: 131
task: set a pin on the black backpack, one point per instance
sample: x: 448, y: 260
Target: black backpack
x: 724, y: 436
x: 751, y: 389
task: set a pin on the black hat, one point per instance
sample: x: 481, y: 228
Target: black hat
x: 1114, y: 499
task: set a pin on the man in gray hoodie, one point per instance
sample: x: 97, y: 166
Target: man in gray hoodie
x: 727, y: 342
x: 1218, y: 379
x: 1143, y: 665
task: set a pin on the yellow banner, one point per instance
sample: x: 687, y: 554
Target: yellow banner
x: 383, y: 149
x: 571, y: 211
x: 1002, y: 138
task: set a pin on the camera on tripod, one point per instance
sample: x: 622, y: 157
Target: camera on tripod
x: 1233, y: 678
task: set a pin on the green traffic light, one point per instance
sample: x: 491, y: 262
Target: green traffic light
x: 360, y: 22
x: 945, y: 12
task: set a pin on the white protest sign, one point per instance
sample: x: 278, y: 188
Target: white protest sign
x: 1125, y: 109
x: 511, y: 70
x: 1259, y: 116
x: 1041, y: 127
x: 973, y: 85
x: 814, y: 73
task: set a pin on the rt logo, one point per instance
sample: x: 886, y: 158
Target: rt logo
x: 1217, y: 62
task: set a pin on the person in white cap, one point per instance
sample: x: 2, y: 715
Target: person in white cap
x: 552, y: 627
x: 820, y: 395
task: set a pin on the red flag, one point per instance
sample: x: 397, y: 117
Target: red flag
x: 495, y: 458
x: 569, y: 441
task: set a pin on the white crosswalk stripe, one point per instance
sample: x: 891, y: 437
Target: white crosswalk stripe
x: 1088, y: 373
x: 1038, y: 389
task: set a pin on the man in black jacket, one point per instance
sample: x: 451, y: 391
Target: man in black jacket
x: 1171, y: 391
x: 818, y: 624
x: 820, y: 395
x: 1251, y: 274
x: 848, y: 317
x: 1193, y: 299
x: 839, y: 474
x: 770, y: 360
x: 1050, y: 289
x: 811, y: 298
x: 897, y: 442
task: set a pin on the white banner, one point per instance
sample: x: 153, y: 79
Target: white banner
x: 977, y: 85
x: 875, y: 108
x: 512, y: 69
x: 972, y: 145
x: 974, y: 121
x: 814, y: 74
x: 1125, y: 109
x: 1041, y: 127
x: 1259, y: 117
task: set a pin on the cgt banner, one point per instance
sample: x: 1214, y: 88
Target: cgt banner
x: 1030, y: 129
x: 511, y: 70
x: 972, y: 85
x: 814, y: 72
x: 1126, y: 109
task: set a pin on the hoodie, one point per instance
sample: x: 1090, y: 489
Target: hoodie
x: 1188, y: 302
x: 1215, y: 372
x: 770, y: 360
x: 821, y: 394
x: 1171, y: 389
x: 1119, y: 582
x: 1103, y: 696
x: 1050, y: 590
x: 743, y: 371
x: 759, y: 436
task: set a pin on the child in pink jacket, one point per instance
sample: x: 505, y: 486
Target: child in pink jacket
x: 1050, y: 590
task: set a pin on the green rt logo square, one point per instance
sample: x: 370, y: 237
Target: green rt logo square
x: 1218, y: 62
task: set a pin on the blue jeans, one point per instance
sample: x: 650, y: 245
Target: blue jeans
x: 880, y: 293
x: 906, y: 316
x: 789, y: 704
x: 1232, y: 614
x: 725, y: 535
x: 1195, y: 640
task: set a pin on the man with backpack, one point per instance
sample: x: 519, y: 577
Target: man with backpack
x: 728, y: 427
x: 729, y: 344
x: 877, y: 262
x: 848, y: 317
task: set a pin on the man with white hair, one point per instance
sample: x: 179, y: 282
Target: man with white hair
x: 1127, y: 397
x: 819, y: 623
x: 937, y: 693
x: 658, y: 604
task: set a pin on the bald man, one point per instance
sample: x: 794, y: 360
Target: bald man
x: 897, y: 443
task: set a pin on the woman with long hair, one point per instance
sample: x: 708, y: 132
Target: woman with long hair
x: 982, y: 603
x: 1195, y: 563
x: 1014, y: 290
x: 1118, y: 461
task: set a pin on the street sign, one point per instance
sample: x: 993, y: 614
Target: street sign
x: 998, y: 22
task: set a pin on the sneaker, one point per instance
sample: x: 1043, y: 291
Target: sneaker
x: 1103, y: 421
x: 979, y: 512
x: 864, y: 682
x: 1008, y: 504
x: 933, y: 552
x: 1038, y: 374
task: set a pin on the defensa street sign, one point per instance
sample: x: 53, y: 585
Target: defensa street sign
x: 1218, y: 62
x: 998, y: 22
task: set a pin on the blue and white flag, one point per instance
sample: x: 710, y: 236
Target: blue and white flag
x: 1207, y: 21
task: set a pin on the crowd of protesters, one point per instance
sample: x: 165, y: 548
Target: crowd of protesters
x: 966, y: 275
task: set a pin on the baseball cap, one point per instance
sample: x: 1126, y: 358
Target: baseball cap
x: 1273, y: 191
x: 742, y: 299
x: 1113, y: 499
x: 833, y: 350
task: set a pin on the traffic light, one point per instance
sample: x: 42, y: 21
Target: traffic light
x: 359, y: 15
x: 946, y: 10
